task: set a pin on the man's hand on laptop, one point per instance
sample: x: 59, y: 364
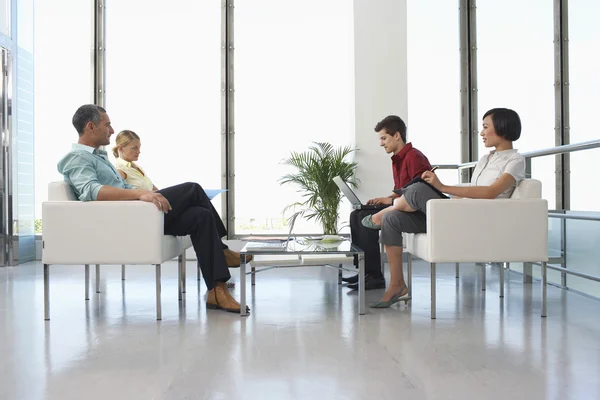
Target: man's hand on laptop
x: 158, y: 199
x: 381, y: 200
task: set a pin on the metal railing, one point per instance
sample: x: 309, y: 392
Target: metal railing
x: 567, y: 148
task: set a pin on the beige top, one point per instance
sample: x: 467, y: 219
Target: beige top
x: 135, y: 178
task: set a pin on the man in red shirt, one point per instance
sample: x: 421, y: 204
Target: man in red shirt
x: 407, y: 164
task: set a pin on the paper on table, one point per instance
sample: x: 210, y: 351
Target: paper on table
x: 212, y: 193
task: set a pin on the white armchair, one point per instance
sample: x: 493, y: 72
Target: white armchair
x: 84, y: 233
x: 480, y: 231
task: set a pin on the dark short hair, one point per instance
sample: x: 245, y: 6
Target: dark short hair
x: 87, y: 113
x: 392, y: 124
x: 507, y: 123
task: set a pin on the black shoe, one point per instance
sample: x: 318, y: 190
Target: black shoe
x: 351, y: 279
x: 370, y: 283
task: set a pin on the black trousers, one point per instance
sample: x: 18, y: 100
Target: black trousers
x: 368, y: 240
x: 193, y: 214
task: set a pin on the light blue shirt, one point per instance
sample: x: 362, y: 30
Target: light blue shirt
x: 87, y: 169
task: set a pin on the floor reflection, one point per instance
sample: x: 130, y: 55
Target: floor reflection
x: 303, y: 339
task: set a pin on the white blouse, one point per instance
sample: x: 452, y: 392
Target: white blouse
x: 492, y: 166
x: 134, y: 177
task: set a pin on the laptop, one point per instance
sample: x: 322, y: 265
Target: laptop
x: 273, y: 244
x: 353, y: 198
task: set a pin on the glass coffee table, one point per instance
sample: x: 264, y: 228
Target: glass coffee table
x: 302, y: 247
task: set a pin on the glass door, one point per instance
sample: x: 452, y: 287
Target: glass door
x: 6, y: 233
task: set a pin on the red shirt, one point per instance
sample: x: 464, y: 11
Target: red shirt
x: 408, y: 164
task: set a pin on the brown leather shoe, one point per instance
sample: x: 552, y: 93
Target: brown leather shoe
x: 220, y: 298
x: 233, y: 258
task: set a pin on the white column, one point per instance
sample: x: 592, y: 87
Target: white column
x: 380, y: 51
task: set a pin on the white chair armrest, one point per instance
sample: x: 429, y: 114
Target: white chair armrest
x: 473, y: 230
x: 102, y: 232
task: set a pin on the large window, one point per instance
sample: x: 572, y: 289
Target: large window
x: 163, y: 77
x: 294, y: 85
x: 163, y: 82
x: 515, y: 69
x: 584, y: 90
x: 62, y: 68
x: 584, y: 87
x: 5, y: 17
x: 434, y: 97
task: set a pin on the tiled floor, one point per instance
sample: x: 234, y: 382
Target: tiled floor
x: 303, y: 340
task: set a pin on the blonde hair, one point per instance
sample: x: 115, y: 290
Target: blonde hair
x: 123, y: 139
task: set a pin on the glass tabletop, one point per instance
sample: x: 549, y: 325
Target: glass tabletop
x: 302, y: 246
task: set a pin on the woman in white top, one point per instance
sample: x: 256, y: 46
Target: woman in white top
x: 495, y: 176
x: 127, y: 151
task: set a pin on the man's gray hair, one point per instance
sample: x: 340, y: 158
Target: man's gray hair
x: 87, y: 113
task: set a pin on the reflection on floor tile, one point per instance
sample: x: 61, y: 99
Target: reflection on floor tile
x: 303, y: 339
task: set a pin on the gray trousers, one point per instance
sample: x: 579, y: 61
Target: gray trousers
x: 396, y: 222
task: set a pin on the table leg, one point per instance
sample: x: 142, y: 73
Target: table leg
x: 361, y: 284
x: 243, y: 285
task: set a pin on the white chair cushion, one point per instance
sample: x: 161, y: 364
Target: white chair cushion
x: 528, y: 189
x: 60, y: 191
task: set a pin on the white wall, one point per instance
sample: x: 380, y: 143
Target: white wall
x: 380, y: 86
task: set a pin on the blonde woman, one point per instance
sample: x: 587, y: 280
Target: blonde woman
x: 127, y: 151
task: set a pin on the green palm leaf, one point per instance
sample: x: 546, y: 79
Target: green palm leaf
x: 313, y: 177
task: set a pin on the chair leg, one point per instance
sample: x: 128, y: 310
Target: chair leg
x: 87, y: 281
x: 183, y: 272
x: 433, y: 276
x: 179, y: 279
x: 253, y: 275
x: 409, y: 273
x: 502, y: 266
x: 97, y: 278
x: 122, y: 272
x: 46, y: 292
x: 457, y: 270
x: 483, y: 279
x: 527, y: 272
x: 381, y: 255
x: 544, y: 289
x: 158, y: 302
x: 243, y: 312
x: 340, y: 274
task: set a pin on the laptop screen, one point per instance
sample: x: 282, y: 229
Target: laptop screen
x: 274, y: 244
x: 350, y: 195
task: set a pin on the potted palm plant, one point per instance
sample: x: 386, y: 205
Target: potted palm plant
x: 315, y: 170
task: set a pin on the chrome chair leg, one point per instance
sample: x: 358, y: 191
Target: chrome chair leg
x: 409, y: 273
x: 483, y: 278
x: 183, y: 272
x: 87, y: 281
x: 382, y: 255
x: 158, y: 302
x: 97, y: 278
x: 433, y: 299
x: 46, y: 292
x: 544, y: 289
x: 502, y: 266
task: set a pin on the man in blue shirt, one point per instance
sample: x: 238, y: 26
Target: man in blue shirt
x: 187, y: 209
